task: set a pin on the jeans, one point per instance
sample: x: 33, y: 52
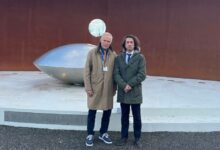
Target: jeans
x: 104, y: 123
x: 125, y: 108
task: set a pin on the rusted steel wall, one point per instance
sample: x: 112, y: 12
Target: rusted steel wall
x: 180, y: 38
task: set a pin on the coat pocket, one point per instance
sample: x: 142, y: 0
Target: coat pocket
x: 138, y: 91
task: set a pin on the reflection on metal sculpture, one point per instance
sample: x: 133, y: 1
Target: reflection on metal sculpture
x: 66, y: 62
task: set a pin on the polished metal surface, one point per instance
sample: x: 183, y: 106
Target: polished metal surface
x: 66, y: 62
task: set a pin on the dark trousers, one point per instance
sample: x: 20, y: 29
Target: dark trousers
x: 125, y: 110
x: 104, y: 123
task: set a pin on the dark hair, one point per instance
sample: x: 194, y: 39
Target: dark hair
x: 136, y: 42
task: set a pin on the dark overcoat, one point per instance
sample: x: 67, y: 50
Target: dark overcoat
x: 132, y: 74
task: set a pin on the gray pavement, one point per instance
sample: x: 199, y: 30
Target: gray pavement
x: 33, y: 99
x: 17, y: 138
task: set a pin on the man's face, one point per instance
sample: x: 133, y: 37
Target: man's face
x: 129, y: 44
x: 106, y: 41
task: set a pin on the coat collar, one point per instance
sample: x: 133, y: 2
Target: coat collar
x: 99, y: 53
x: 98, y: 50
x: 132, y: 60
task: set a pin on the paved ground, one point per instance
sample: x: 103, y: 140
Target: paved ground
x: 16, y: 138
x: 169, y: 104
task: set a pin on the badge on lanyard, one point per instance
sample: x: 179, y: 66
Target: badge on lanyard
x: 105, y: 68
x: 104, y: 57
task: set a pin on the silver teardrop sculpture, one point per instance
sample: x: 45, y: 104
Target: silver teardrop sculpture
x: 66, y: 62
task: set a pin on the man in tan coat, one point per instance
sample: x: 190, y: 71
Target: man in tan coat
x: 99, y: 86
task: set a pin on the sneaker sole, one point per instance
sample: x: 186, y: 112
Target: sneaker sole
x: 104, y: 140
x: 89, y: 145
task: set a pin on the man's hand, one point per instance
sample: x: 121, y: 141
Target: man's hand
x: 90, y: 93
x: 127, y: 88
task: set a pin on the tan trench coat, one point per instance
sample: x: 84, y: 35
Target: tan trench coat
x: 100, y: 82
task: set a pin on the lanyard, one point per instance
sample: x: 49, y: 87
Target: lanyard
x: 104, y: 57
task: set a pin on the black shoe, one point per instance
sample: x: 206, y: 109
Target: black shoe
x: 121, y: 142
x: 137, y: 143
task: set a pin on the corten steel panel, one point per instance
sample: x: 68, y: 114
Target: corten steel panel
x: 179, y: 38
x: 29, y: 28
